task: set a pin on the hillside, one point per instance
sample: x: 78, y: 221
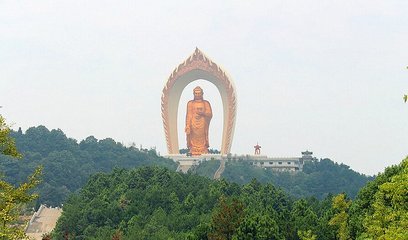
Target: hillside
x: 156, y: 203
x: 319, y: 178
x: 69, y: 164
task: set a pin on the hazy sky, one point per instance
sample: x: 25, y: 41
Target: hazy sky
x: 327, y: 76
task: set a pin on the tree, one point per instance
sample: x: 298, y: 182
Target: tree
x: 363, y: 205
x: 260, y: 225
x: 11, y: 197
x: 389, y: 219
x: 306, y: 235
x: 226, y: 219
x: 117, y: 235
x: 7, y: 144
x: 303, y: 217
x: 340, y: 219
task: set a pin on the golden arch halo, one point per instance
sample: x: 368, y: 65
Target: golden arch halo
x: 197, y: 66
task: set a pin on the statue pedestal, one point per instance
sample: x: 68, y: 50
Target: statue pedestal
x: 288, y: 164
x: 186, y: 162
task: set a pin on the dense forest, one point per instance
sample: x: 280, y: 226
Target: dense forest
x: 318, y: 179
x: 157, y: 203
x: 111, y: 191
x: 67, y: 164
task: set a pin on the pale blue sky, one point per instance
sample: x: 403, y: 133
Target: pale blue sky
x: 327, y: 76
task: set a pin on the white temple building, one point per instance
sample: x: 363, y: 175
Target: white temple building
x: 291, y: 164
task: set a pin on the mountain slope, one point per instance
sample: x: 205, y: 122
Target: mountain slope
x: 68, y: 164
x: 319, y: 178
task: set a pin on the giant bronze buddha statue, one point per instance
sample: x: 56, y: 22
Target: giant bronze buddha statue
x: 198, y: 119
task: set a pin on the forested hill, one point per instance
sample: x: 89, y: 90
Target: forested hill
x: 156, y: 203
x: 69, y: 164
x: 319, y: 178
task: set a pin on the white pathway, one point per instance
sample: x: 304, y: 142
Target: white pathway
x: 220, y: 170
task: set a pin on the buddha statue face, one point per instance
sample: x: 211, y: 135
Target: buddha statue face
x: 198, y: 93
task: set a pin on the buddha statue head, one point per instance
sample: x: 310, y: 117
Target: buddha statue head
x: 198, y: 93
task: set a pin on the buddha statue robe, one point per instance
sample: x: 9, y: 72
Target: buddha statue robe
x: 198, y: 119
